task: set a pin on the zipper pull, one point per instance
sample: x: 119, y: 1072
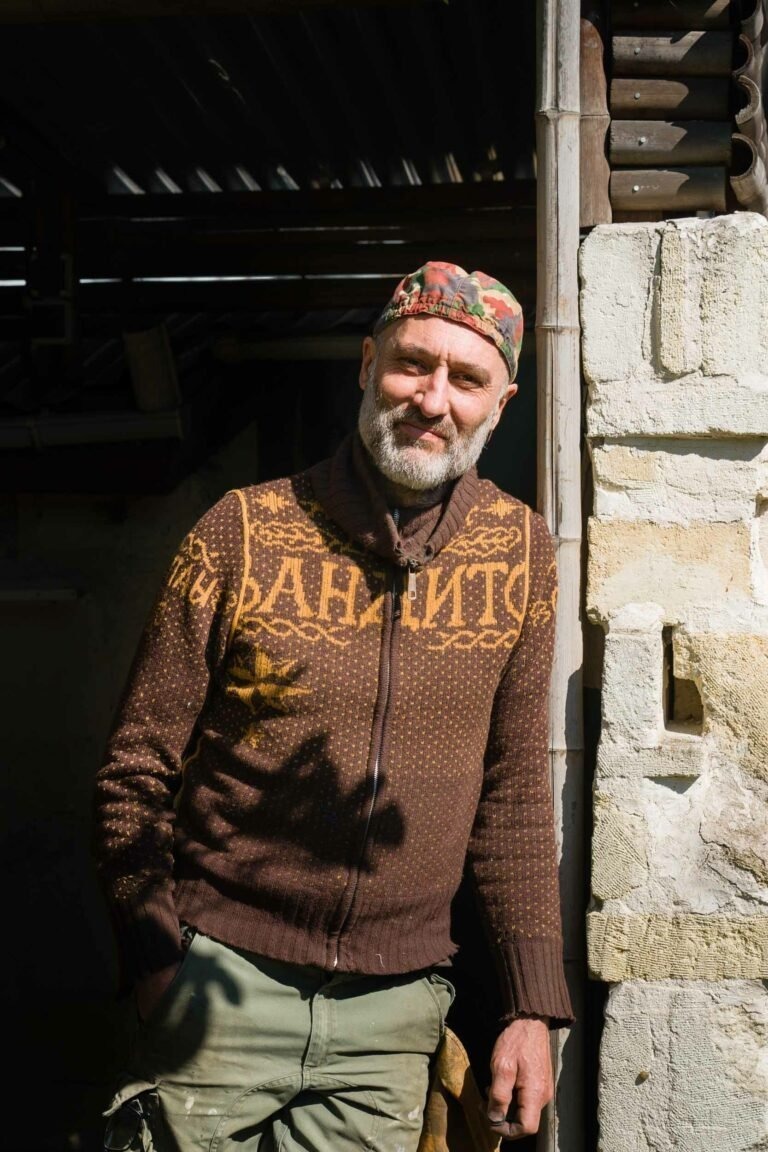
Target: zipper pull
x: 411, y: 592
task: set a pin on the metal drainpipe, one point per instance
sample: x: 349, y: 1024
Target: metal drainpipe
x: 559, y: 498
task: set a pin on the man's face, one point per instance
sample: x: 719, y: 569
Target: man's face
x: 433, y: 391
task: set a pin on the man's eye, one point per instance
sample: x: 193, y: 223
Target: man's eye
x: 411, y: 362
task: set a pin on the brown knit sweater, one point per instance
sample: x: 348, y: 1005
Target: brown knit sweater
x: 324, y: 718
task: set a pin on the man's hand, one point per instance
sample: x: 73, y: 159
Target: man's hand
x: 150, y: 989
x: 521, y: 1067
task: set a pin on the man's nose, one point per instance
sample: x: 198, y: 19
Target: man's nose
x: 431, y: 395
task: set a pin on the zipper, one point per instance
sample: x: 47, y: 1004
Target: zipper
x: 385, y: 685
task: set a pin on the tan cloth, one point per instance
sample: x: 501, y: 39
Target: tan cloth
x: 454, y: 1117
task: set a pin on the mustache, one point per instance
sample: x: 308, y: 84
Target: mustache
x: 440, y: 425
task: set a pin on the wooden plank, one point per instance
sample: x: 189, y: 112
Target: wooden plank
x: 313, y: 208
x: 182, y: 259
x: 500, y: 225
x: 749, y: 179
x: 675, y: 190
x: 559, y: 466
x: 512, y: 204
x: 161, y: 298
x: 662, y: 142
x: 688, y: 15
x: 55, y: 11
x: 683, y: 99
x: 594, y: 169
x: 670, y: 53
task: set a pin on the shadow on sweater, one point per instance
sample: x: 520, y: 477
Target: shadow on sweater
x: 301, y: 804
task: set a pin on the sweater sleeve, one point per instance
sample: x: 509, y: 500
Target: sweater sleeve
x: 180, y: 649
x: 512, y: 855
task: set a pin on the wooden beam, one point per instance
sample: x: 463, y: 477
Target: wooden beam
x: 57, y: 11
x: 668, y: 190
x: 164, y: 297
x: 749, y: 179
x: 670, y: 53
x: 313, y: 208
x: 594, y: 169
x: 177, y: 258
x: 558, y: 389
x: 688, y: 15
x: 664, y: 142
x: 498, y: 224
x: 683, y: 99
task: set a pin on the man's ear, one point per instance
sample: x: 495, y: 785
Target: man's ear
x: 506, y: 395
x: 369, y: 355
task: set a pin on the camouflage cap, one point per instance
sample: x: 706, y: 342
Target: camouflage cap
x: 469, y: 298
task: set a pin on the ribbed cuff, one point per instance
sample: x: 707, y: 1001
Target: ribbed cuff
x: 148, y: 937
x: 533, y: 980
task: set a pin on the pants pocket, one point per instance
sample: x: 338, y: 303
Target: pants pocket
x: 170, y: 993
x: 130, y: 1118
x: 443, y: 994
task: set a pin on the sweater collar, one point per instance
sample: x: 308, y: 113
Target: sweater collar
x: 346, y: 486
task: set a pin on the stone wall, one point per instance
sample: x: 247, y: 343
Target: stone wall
x: 675, y: 349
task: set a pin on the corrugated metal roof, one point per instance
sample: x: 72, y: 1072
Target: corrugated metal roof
x: 332, y: 98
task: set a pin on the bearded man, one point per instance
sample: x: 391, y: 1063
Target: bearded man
x: 339, y: 703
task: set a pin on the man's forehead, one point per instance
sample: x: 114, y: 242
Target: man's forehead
x: 435, y: 335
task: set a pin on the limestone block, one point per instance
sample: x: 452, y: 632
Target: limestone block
x: 674, y: 844
x: 682, y: 824
x: 684, y: 1066
x: 679, y: 291
x: 733, y: 306
x: 675, y: 482
x: 632, y: 706
x: 616, y: 266
x: 732, y: 672
x: 619, y: 861
x: 676, y: 756
x: 713, y: 293
x: 687, y: 946
x: 680, y: 567
x: 733, y: 829
x: 720, y: 405
x: 673, y: 299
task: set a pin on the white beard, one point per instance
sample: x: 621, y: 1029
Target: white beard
x: 415, y: 465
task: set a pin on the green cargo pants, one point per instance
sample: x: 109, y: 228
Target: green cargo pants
x: 252, y: 1054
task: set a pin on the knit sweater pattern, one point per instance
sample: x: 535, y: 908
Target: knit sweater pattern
x: 326, y: 719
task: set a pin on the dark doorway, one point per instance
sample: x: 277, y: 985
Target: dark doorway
x: 199, y: 219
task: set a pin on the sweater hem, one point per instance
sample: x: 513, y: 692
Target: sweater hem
x: 532, y: 979
x: 268, y: 933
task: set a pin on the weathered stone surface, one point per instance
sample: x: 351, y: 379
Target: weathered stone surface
x: 616, y: 266
x: 679, y: 293
x: 687, y: 946
x: 688, y: 296
x: 684, y: 1066
x: 677, y: 566
x: 675, y: 350
x: 733, y: 311
x: 676, y: 756
x: 732, y: 672
x: 619, y: 860
x: 632, y: 706
x: 691, y: 406
x: 676, y: 482
x: 668, y: 843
